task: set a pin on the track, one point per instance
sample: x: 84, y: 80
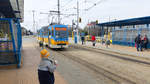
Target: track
x: 116, y: 78
x: 116, y: 55
x: 98, y: 70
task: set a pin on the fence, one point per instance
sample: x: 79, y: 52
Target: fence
x: 10, y: 41
x: 127, y: 36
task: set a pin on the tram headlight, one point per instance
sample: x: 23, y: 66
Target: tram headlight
x: 57, y: 36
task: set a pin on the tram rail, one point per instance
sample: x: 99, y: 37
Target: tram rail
x: 100, y: 70
x: 130, y: 58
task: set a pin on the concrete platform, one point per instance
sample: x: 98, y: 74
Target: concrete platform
x: 27, y: 74
x: 126, y: 50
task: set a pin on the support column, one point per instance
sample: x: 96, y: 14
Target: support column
x: 147, y: 25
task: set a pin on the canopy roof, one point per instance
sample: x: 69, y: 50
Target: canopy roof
x: 127, y: 22
x: 12, y: 8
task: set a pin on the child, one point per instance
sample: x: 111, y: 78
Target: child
x: 46, y: 68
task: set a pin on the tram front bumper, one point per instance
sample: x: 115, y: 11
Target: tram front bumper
x: 59, y: 46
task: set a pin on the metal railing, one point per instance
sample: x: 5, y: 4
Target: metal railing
x: 127, y: 36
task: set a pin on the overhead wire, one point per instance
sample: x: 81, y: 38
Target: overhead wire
x: 95, y: 4
x: 66, y: 3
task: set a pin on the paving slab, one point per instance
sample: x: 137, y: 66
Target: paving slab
x: 27, y: 74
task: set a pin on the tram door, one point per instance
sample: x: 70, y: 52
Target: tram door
x: 49, y: 38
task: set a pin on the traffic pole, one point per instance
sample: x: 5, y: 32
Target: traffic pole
x: 77, y: 28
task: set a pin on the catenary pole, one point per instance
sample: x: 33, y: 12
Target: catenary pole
x: 58, y: 11
x: 77, y: 28
x: 33, y: 11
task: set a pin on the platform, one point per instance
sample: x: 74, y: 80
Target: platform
x: 27, y: 74
x: 127, y: 50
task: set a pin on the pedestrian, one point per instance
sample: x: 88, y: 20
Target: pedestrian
x: 82, y: 39
x: 93, y: 40
x: 40, y: 44
x: 102, y: 41
x: 46, y: 68
x: 142, y: 42
x: 145, y: 42
x: 107, y: 43
x: 138, y: 42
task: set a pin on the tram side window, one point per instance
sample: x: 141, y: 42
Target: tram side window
x: 49, y: 33
x: 45, y: 32
x: 52, y: 32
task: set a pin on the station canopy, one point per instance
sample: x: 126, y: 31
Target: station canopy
x: 127, y: 22
x: 12, y: 8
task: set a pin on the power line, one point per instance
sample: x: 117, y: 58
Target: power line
x: 66, y: 3
x: 95, y: 4
x: 69, y: 6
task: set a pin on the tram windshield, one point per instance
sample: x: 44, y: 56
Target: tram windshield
x: 61, y: 33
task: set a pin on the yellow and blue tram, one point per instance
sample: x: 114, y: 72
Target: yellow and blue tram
x: 54, y: 36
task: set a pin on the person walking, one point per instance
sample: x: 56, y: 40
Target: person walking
x: 107, y: 43
x: 138, y: 42
x: 142, y: 42
x: 40, y: 44
x: 93, y: 40
x: 145, y: 42
x: 82, y: 39
x: 46, y: 68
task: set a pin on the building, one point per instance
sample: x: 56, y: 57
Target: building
x: 93, y: 29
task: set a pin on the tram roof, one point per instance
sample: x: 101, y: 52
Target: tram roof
x: 127, y: 22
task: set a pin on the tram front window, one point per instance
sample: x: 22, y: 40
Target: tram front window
x: 61, y: 34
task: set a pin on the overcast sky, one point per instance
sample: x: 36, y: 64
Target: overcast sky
x: 103, y: 12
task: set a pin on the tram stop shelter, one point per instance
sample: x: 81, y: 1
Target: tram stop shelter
x: 11, y: 14
x: 125, y: 31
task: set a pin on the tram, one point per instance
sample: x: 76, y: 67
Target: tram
x: 54, y: 36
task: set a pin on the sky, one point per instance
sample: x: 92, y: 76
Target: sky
x: 107, y: 10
